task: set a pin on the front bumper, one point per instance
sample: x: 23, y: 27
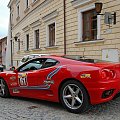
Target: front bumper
x: 96, y: 90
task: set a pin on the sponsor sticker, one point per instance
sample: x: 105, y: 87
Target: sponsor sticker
x: 12, y: 77
x: 49, y: 82
x: 13, y: 84
x: 16, y: 91
x: 85, y: 76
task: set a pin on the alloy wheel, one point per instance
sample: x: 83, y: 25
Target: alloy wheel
x: 2, y: 87
x: 72, y: 96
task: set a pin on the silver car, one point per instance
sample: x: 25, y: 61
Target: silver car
x: 31, y: 56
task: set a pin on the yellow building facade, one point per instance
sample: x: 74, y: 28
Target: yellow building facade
x: 64, y: 27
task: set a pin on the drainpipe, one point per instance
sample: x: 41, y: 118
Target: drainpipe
x: 11, y: 54
x: 11, y: 38
x: 64, y: 5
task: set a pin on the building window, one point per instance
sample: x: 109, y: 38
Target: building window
x: 27, y: 3
x: 89, y: 25
x: 27, y: 42
x: 18, y: 10
x: 34, y: 1
x: 52, y: 34
x: 11, y: 18
x: 37, y: 39
x: 13, y: 47
x: 19, y: 45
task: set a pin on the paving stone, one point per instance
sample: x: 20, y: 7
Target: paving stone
x: 29, y: 109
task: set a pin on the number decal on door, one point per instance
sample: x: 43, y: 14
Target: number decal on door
x: 22, y: 79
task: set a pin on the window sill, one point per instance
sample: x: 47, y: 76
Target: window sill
x: 51, y: 47
x: 27, y: 51
x: 27, y: 9
x: 18, y: 18
x: 78, y: 3
x: 36, y: 49
x: 89, y: 42
x: 18, y: 52
x: 34, y: 3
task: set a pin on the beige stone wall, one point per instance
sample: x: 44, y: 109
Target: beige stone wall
x: 110, y: 37
x: 37, y: 12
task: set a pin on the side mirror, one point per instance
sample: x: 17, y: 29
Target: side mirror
x: 15, y: 71
x: 12, y: 68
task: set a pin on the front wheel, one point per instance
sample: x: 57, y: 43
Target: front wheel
x: 4, y: 91
x: 74, y: 97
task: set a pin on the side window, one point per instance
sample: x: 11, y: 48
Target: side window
x: 32, y: 65
x: 49, y: 63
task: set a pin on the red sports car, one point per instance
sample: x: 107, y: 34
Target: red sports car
x: 74, y: 81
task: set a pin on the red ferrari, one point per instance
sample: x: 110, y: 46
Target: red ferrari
x: 74, y: 81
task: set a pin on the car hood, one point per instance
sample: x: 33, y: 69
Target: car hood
x: 6, y: 72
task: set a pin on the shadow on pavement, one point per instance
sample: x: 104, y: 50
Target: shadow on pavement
x: 104, y: 108
x: 40, y: 102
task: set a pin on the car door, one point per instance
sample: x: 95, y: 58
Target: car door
x: 28, y: 76
x: 49, y: 68
x: 33, y: 75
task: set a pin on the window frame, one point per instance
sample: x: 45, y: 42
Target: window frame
x: 27, y: 4
x: 90, y: 30
x: 80, y: 23
x: 56, y: 62
x: 42, y: 68
x: 19, y: 45
x: 18, y: 10
x: 27, y: 42
x: 35, y: 40
x: 34, y: 1
x: 13, y: 47
x: 27, y: 63
x: 51, y: 41
x: 11, y: 18
x: 47, y: 33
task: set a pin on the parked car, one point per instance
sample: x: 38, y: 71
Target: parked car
x: 1, y: 68
x: 31, y: 56
x: 74, y: 81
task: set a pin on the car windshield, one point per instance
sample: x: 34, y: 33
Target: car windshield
x: 84, y: 59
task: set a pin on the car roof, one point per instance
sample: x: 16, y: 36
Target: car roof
x: 34, y: 55
x: 62, y: 60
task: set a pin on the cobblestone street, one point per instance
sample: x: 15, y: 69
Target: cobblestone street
x: 29, y: 109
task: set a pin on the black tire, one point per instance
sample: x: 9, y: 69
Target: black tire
x: 82, y: 95
x: 6, y: 92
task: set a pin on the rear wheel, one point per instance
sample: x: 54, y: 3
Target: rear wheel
x: 4, y: 91
x: 74, y: 97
